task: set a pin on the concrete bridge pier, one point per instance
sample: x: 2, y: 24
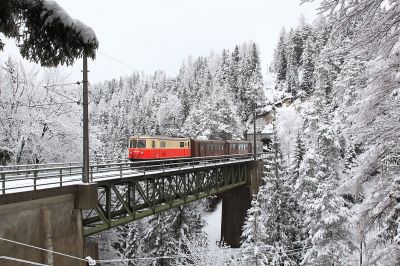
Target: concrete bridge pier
x: 50, y: 219
x: 236, y: 202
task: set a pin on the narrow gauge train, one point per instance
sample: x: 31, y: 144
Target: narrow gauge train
x: 159, y: 147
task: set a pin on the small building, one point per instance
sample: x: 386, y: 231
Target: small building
x: 264, y: 138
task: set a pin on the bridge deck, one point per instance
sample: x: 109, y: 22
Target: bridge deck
x: 14, y: 179
x: 129, y: 191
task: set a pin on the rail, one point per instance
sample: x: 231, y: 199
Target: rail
x: 18, y: 178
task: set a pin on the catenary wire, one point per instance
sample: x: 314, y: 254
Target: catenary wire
x: 42, y: 249
x: 23, y: 261
x: 288, y: 252
x: 65, y: 96
x: 49, y: 104
x: 142, y: 258
x: 65, y: 84
x: 117, y: 60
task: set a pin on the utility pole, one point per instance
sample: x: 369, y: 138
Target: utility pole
x: 254, y: 128
x: 85, y: 168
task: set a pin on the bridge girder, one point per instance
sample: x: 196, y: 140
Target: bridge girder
x: 121, y: 201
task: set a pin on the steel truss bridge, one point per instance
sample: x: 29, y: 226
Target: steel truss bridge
x: 129, y: 191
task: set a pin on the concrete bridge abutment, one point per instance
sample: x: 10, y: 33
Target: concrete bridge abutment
x: 50, y: 219
x: 236, y: 202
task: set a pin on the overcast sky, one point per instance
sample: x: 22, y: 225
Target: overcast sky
x: 154, y: 35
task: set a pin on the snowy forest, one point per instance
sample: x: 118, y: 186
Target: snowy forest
x: 331, y: 185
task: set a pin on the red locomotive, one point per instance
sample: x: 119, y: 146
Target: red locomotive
x: 159, y: 147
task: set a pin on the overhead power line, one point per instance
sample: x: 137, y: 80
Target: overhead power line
x: 62, y: 95
x: 23, y: 261
x: 65, y: 84
x: 42, y: 249
x: 49, y: 104
x: 91, y: 261
x: 117, y: 60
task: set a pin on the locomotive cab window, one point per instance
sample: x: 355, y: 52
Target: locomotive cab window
x: 181, y: 144
x: 141, y: 143
x: 133, y: 143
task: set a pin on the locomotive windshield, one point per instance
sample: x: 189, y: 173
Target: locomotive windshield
x: 141, y: 143
x: 135, y: 143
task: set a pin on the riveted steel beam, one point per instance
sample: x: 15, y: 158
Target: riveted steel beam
x: 128, y: 199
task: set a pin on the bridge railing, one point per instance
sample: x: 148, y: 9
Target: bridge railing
x: 47, y: 165
x: 39, y: 176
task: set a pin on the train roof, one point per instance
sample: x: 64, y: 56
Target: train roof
x: 238, y: 141
x: 157, y: 137
x: 197, y: 140
x: 209, y: 140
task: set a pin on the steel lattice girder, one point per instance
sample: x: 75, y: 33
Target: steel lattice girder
x: 121, y: 201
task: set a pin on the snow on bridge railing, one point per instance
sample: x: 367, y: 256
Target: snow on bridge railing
x: 47, y: 165
x: 15, y: 179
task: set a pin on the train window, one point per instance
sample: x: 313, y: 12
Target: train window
x: 181, y: 144
x: 163, y: 144
x: 133, y: 143
x: 141, y: 143
x: 153, y: 143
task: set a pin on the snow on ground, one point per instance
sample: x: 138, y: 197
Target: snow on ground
x: 213, y: 227
x: 269, y: 128
x: 288, y: 122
